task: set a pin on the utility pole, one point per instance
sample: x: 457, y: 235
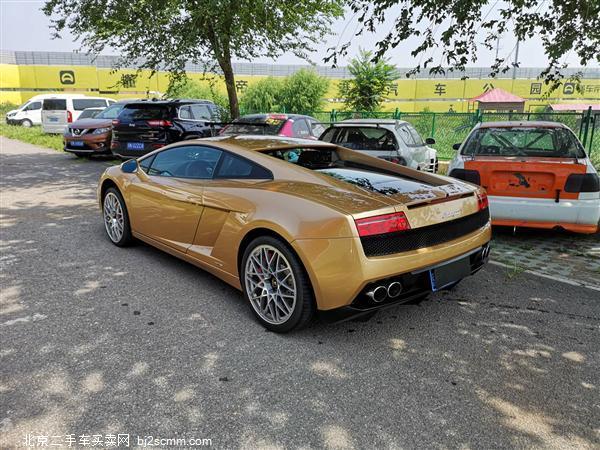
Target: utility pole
x: 516, y: 63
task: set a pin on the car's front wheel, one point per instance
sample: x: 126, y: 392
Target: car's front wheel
x: 26, y: 123
x: 276, y: 285
x: 116, y: 219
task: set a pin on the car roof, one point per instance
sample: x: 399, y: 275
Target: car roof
x: 522, y: 124
x: 174, y: 102
x: 283, y: 116
x: 369, y: 122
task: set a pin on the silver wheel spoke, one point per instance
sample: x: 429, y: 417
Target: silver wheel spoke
x: 270, y: 284
x: 114, y: 220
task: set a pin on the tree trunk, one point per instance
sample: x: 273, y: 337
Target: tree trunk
x: 225, y: 64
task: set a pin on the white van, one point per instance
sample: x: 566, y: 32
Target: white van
x: 28, y: 114
x: 60, y: 110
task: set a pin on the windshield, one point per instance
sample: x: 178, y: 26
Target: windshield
x: 255, y: 125
x: 110, y: 113
x: 88, y: 113
x: 524, y: 141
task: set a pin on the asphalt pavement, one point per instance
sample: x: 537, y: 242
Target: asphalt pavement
x: 99, y: 340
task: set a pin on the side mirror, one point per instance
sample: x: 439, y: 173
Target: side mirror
x: 130, y: 166
x: 456, y: 146
x: 430, y: 141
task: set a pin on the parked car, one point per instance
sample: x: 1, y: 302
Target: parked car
x: 92, y: 136
x: 537, y: 175
x: 396, y: 141
x: 60, y: 110
x: 28, y: 114
x: 144, y: 126
x: 90, y: 113
x: 290, y: 125
x: 336, y: 233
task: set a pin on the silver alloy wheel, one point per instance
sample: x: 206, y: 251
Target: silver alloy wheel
x: 113, y: 217
x: 270, y: 284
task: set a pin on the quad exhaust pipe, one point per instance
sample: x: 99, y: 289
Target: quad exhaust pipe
x: 380, y: 293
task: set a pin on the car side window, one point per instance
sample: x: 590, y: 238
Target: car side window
x: 34, y: 106
x: 189, y: 161
x: 146, y: 163
x: 235, y: 167
x: 300, y: 128
x: 185, y: 112
x: 201, y: 112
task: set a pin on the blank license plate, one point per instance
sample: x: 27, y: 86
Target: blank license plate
x: 447, y: 274
x: 77, y: 143
x: 135, y: 146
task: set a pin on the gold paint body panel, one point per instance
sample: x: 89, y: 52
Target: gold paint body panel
x: 205, y: 221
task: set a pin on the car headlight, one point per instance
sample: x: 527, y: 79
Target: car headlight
x: 100, y: 130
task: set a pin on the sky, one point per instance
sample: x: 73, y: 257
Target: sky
x: 25, y: 27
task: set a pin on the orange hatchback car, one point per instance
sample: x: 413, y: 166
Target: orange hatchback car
x: 536, y: 174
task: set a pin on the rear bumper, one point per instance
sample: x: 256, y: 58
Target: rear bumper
x: 582, y: 216
x: 339, y: 270
x: 417, y: 284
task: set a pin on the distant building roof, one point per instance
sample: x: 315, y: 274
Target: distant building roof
x: 497, y: 95
x: 575, y: 107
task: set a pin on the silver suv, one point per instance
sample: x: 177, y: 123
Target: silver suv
x: 393, y: 140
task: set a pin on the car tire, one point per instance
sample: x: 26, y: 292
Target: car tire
x: 26, y: 123
x: 283, y: 280
x: 116, y: 218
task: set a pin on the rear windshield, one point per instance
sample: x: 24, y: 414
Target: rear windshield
x: 54, y: 104
x: 362, y: 138
x: 80, y: 104
x: 524, y: 141
x: 144, y: 112
x: 311, y: 158
x: 255, y: 125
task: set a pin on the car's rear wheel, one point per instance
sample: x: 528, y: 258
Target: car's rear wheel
x: 116, y: 219
x: 276, y: 285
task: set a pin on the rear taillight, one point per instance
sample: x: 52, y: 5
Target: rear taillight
x: 582, y: 182
x: 471, y: 176
x: 158, y: 145
x: 159, y: 123
x: 114, y: 144
x: 386, y: 223
x: 69, y: 116
x: 115, y: 122
x: 482, y: 201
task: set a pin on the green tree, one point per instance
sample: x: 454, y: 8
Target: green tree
x: 159, y: 34
x: 303, y: 92
x: 263, y: 96
x: 370, y: 83
x: 563, y: 26
x: 196, y: 90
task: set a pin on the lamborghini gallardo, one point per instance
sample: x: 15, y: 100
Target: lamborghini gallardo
x: 303, y: 228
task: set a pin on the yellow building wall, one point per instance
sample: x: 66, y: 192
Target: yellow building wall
x: 19, y: 83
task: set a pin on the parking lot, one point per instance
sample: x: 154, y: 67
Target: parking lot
x: 99, y: 340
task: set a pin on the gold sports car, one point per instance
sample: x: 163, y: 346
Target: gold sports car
x: 303, y: 228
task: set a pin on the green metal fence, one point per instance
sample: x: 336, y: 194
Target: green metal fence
x: 451, y: 128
